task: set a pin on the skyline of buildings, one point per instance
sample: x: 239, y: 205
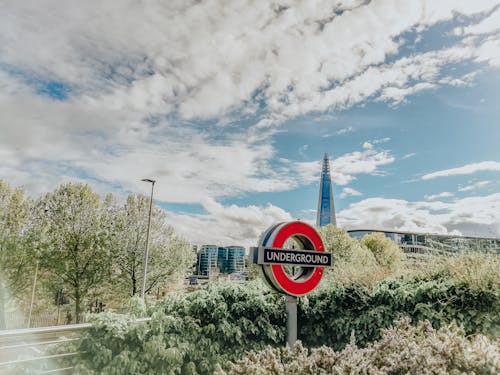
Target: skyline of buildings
x: 215, y: 260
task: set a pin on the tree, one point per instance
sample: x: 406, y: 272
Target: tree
x: 352, y: 261
x: 386, y: 252
x: 14, y: 258
x: 169, y: 255
x: 338, y: 242
x: 72, y: 226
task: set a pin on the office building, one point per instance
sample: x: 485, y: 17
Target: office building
x: 207, y: 260
x: 428, y: 243
x: 326, y: 207
x: 214, y: 261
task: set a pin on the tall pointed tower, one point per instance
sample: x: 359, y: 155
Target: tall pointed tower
x: 326, y: 207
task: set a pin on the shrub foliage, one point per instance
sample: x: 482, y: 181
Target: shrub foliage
x: 330, y: 315
x: 385, y: 251
x: 402, y: 349
x: 188, y: 333
x: 192, y: 333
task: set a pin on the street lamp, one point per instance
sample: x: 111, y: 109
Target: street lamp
x: 146, y: 253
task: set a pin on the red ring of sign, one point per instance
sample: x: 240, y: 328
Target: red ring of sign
x: 285, y: 283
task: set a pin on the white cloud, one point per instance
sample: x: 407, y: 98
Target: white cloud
x: 303, y: 149
x: 444, y: 194
x: 381, y: 140
x: 464, y: 80
x: 189, y: 164
x: 469, y: 216
x: 140, y: 77
x: 342, y: 131
x: 466, y: 169
x: 345, y: 168
x: 410, y: 155
x: 489, y: 52
x: 398, y: 94
x: 214, y: 57
x: 349, y: 192
x: 367, y: 145
x: 487, y: 25
x: 349, y: 129
x: 227, y: 225
x: 474, y: 186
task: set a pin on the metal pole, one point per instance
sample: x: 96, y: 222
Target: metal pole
x: 146, y: 253
x: 33, y: 295
x: 291, y: 323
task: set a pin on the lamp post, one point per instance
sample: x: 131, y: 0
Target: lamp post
x: 146, y: 253
x: 33, y: 295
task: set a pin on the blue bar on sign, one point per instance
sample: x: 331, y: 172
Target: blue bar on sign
x: 306, y: 258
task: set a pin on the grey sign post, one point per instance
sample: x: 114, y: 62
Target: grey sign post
x: 291, y: 320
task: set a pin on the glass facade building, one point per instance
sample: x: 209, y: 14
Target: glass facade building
x: 213, y: 260
x: 222, y: 254
x: 326, y: 207
x: 235, y: 259
x: 207, y: 260
x: 425, y: 243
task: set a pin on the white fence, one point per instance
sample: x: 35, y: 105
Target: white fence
x: 44, y: 350
x: 16, y: 320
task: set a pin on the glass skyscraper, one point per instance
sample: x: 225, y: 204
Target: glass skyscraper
x: 213, y: 259
x: 207, y: 260
x: 326, y: 207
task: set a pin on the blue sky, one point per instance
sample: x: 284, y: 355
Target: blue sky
x: 230, y: 106
x: 445, y: 128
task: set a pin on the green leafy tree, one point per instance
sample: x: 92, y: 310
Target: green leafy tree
x: 170, y: 257
x: 351, y: 260
x: 14, y: 257
x: 72, y: 228
x: 386, y: 252
x: 338, y: 242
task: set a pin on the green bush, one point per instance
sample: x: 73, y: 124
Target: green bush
x: 385, y: 251
x: 479, y: 271
x: 403, y: 349
x: 330, y: 315
x: 365, y: 262
x: 338, y: 242
x: 188, y: 333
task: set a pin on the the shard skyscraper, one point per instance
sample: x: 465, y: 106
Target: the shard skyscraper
x: 326, y: 207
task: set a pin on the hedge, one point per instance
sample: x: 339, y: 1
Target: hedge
x: 191, y: 333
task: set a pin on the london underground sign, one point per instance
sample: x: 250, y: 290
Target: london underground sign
x: 307, y: 263
x: 268, y: 255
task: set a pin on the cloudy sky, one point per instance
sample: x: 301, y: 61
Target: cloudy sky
x: 230, y: 106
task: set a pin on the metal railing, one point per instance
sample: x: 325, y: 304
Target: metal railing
x: 420, y: 249
x: 34, y: 348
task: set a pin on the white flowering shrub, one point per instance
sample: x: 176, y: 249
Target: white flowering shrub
x: 403, y: 349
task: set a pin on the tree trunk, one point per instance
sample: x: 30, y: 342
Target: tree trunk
x: 77, y: 305
x: 134, y: 284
